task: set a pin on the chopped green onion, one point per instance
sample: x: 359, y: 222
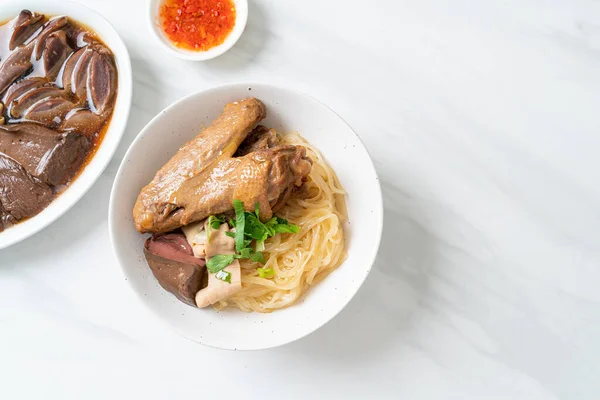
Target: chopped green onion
x: 223, y: 275
x: 265, y: 272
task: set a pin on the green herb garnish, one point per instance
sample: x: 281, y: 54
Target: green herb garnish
x: 219, y: 261
x: 225, y: 276
x: 215, y: 221
x: 240, y: 224
x: 265, y: 272
x: 248, y: 228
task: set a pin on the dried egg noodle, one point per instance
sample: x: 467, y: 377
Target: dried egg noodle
x: 303, y: 259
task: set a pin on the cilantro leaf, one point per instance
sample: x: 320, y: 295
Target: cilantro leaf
x: 240, y: 224
x: 245, y: 253
x: 271, y: 222
x: 219, y: 261
x: 289, y: 228
x: 254, y: 228
x: 258, y: 257
x: 214, y: 221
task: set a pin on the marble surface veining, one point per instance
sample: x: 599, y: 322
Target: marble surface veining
x: 483, y: 118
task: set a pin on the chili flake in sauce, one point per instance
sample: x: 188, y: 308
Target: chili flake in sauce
x: 197, y: 24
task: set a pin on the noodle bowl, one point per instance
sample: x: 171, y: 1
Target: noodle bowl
x: 308, y: 304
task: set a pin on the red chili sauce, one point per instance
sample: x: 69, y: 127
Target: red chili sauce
x: 197, y: 24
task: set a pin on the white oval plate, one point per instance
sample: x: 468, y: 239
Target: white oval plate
x: 107, y: 148
x: 287, y: 111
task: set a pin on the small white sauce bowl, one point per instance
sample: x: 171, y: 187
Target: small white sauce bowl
x: 241, y: 17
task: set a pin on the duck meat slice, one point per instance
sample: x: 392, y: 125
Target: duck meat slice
x: 26, y: 24
x: 75, y: 74
x: 21, y: 194
x: 18, y: 107
x: 6, y: 219
x: 219, y: 141
x: 71, y: 64
x: 20, y: 88
x: 19, y: 60
x: 102, y: 82
x: 15, y: 65
x: 50, y: 111
x: 83, y: 121
x: 171, y: 260
x: 47, y: 155
x: 51, y: 26
x: 56, y: 52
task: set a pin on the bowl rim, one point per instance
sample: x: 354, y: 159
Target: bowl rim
x: 241, y: 19
x: 378, y: 202
x: 116, y: 128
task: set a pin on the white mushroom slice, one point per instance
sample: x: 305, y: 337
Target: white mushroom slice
x: 217, y: 289
x: 195, y: 234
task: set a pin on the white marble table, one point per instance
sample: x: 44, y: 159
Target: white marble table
x: 483, y: 118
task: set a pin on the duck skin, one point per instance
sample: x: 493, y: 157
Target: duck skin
x: 203, y: 178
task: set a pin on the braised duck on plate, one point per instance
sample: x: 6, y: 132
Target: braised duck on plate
x: 58, y: 85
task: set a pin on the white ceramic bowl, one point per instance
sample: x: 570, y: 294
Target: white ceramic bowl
x: 287, y: 111
x: 241, y: 7
x: 115, y: 130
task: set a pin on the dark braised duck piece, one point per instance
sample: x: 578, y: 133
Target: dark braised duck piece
x: 50, y: 156
x: 19, y: 61
x: 5, y: 218
x: 172, y: 262
x: 91, y: 75
x: 56, y: 52
x: 75, y: 73
x: 49, y: 111
x: 14, y: 66
x: 51, y: 26
x: 21, y: 195
x: 18, y: 107
x: 81, y: 120
x: 18, y: 89
x: 25, y: 25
